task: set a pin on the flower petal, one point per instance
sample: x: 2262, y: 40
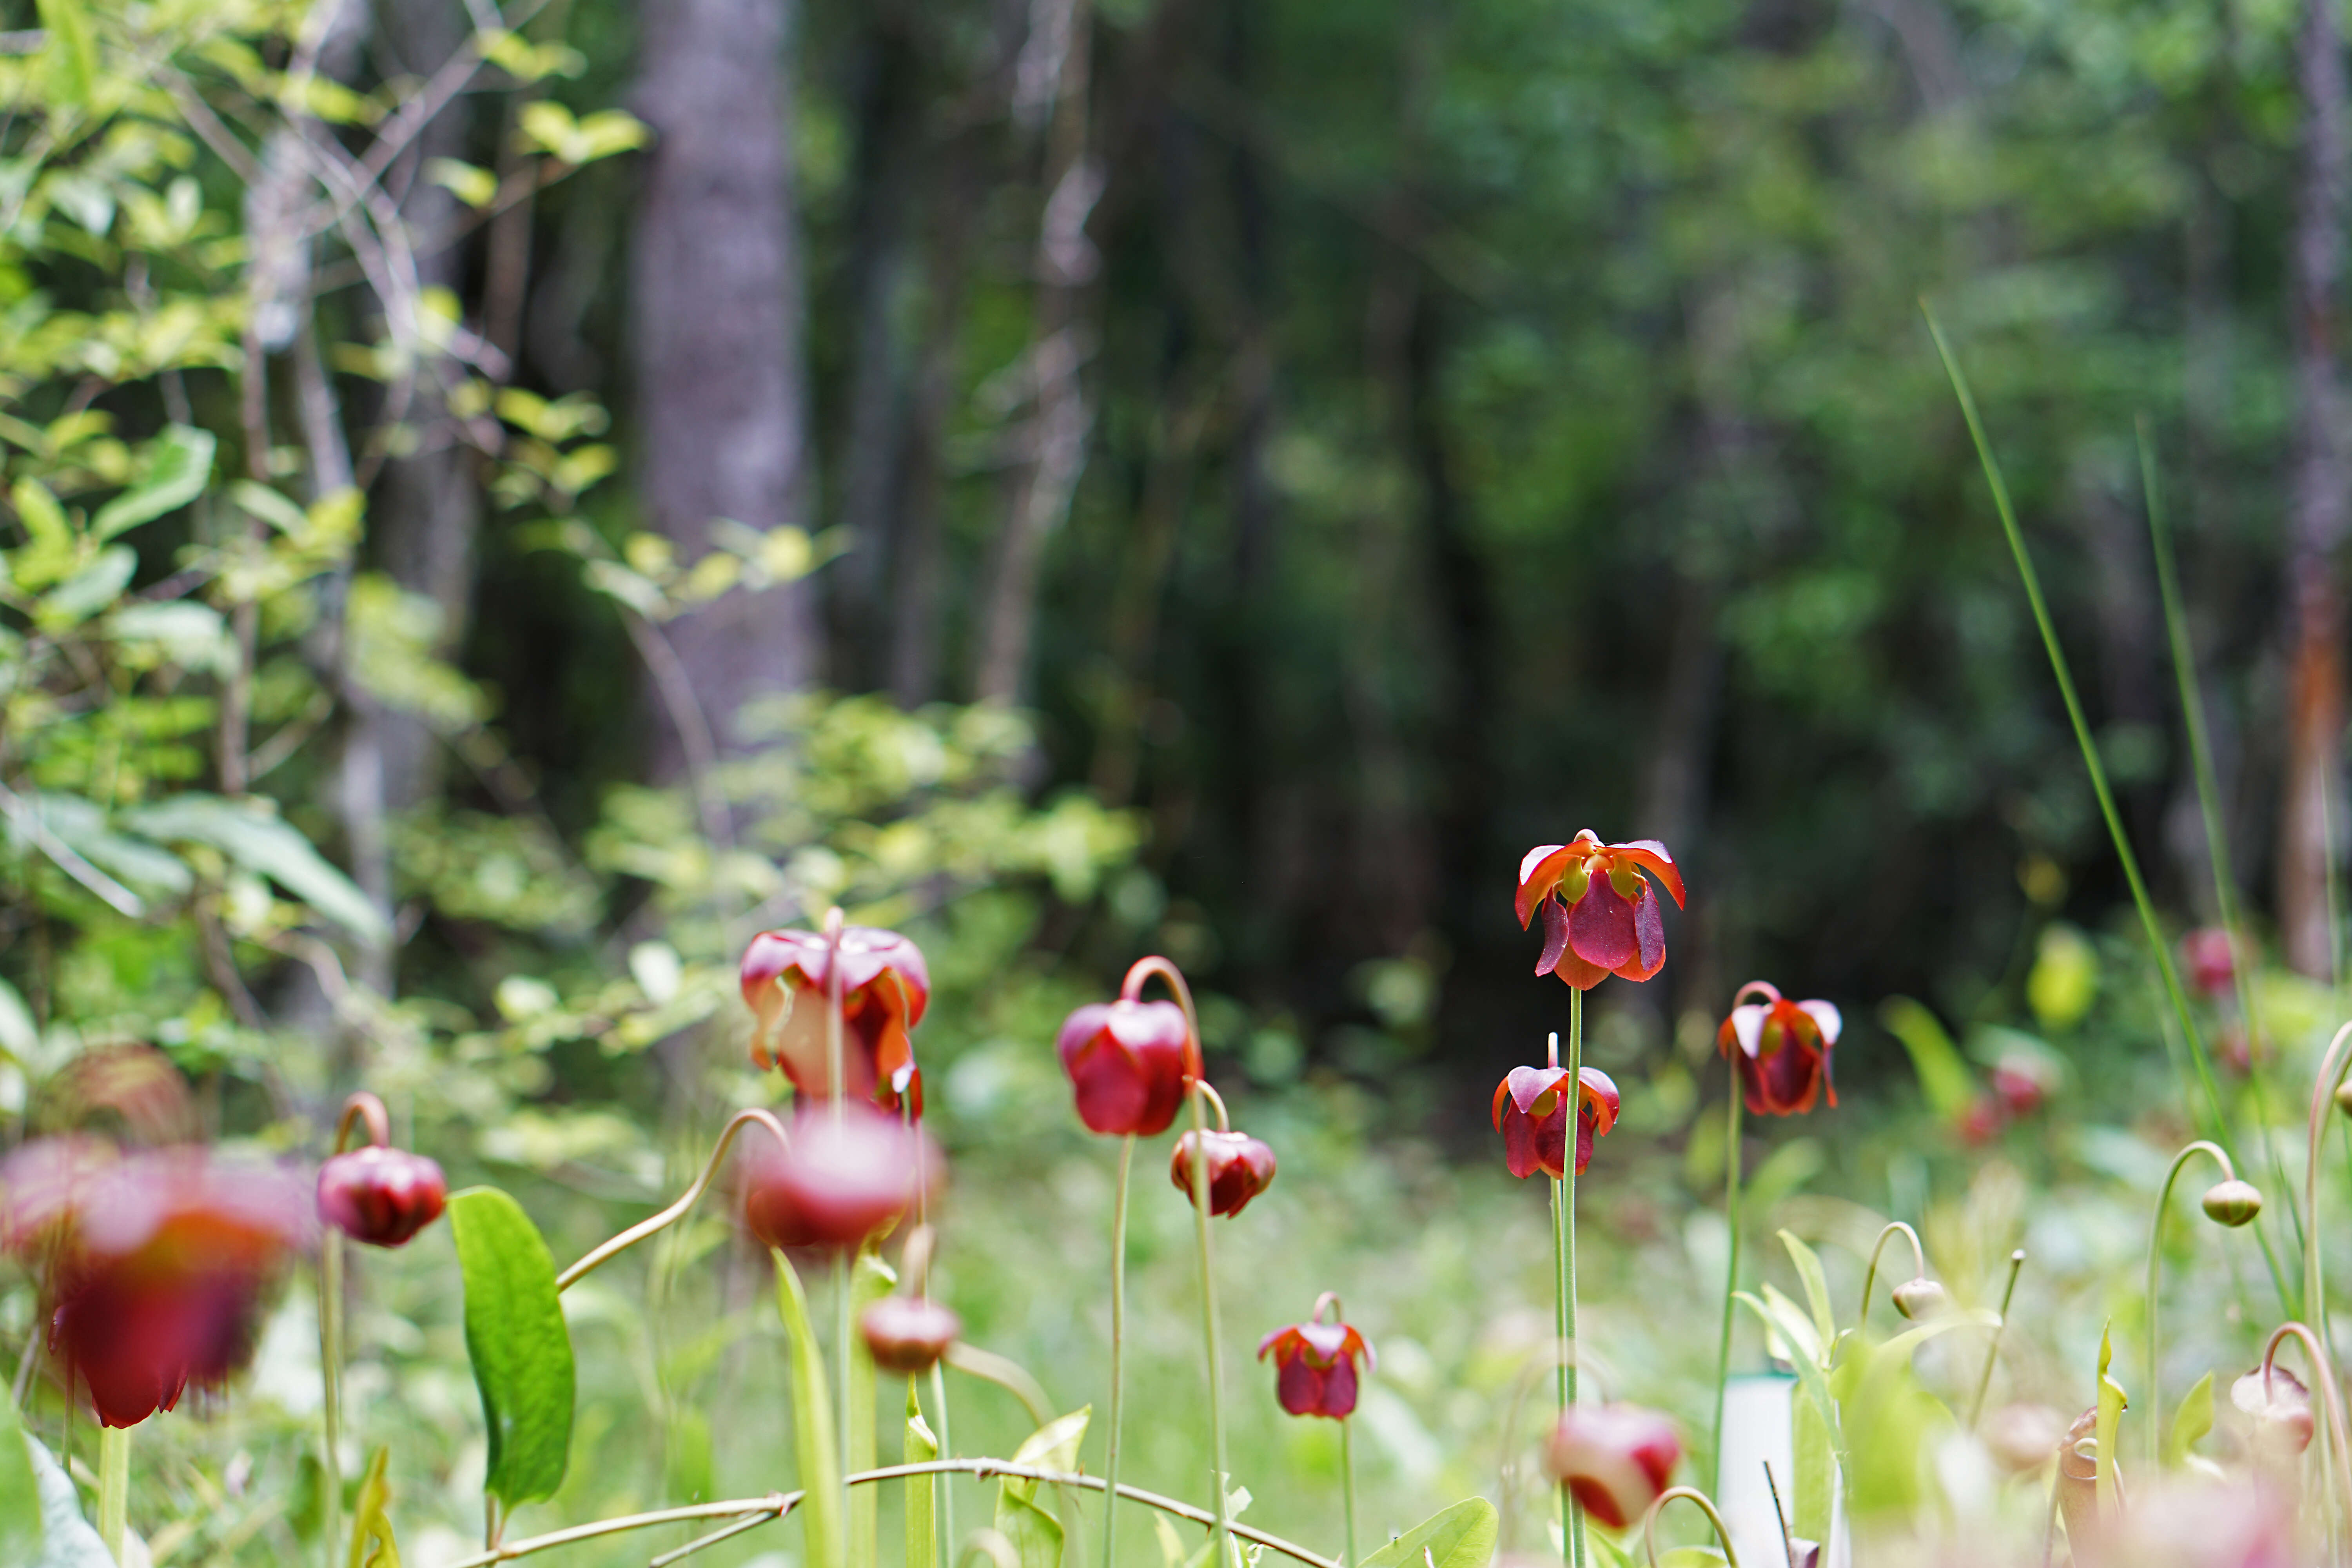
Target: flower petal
x: 1539, y: 871
x: 1650, y: 933
x: 1826, y: 1017
x: 1573, y: 971
x: 1652, y: 857
x: 1601, y: 927
x: 1747, y: 1026
x: 1555, y: 924
x: 1597, y: 1098
x: 1300, y: 1387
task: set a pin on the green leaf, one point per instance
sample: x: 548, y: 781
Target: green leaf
x: 920, y: 1448
x: 1950, y: 1088
x: 1036, y: 1535
x: 813, y: 1441
x: 1813, y: 1503
x: 88, y: 591
x: 2111, y: 1414
x: 20, y: 1493
x: 1817, y: 1285
x: 67, y: 1539
x: 2191, y: 1422
x: 1690, y: 1557
x: 870, y: 1280
x: 1462, y: 1536
x: 372, y: 1542
x: 268, y: 844
x: 181, y: 467
x: 19, y: 1038
x: 73, y: 54
x: 521, y: 1350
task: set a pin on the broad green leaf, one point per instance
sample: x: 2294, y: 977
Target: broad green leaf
x: 1606, y: 1551
x: 268, y: 844
x: 1817, y: 1285
x: 2111, y: 1403
x: 870, y: 1280
x: 1691, y: 1557
x: 272, y: 507
x: 44, y: 518
x: 88, y: 591
x: 1813, y: 1384
x: 1813, y: 1503
x: 920, y: 1448
x: 813, y: 1440
x: 372, y: 1542
x: 73, y: 54
x: 192, y: 636
x: 20, y: 1493
x: 67, y: 1539
x: 181, y: 466
x: 521, y: 1350
x: 1795, y: 1323
x: 1945, y: 1078
x: 1036, y: 1534
x: 474, y: 185
x: 2191, y: 1422
x: 1462, y: 1536
x: 19, y: 1038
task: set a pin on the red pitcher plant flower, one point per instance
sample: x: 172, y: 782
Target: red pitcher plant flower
x: 155, y: 1267
x: 844, y: 1179
x: 1128, y: 1061
x: 1314, y: 1363
x: 883, y: 988
x: 1780, y: 1049
x: 908, y: 1334
x: 1240, y: 1167
x: 1599, y: 912
x: 1615, y: 1458
x: 1531, y: 1113
x: 381, y: 1196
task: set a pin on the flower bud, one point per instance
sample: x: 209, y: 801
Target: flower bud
x: 1614, y: 1459
x: 1240, y: 1167
x: 850, y: 1174
x: 2022, y: 1438
x: 908, y: 1334
x: 2281, y: 1407
x: 2344, y: 1097
x: 1920, y: 1300
x: 381, y: 1196
x: 2233, y: 1203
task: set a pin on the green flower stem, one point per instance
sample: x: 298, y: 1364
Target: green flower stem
x: 2155, y: 1236
x: 1347, y: 1485
x: 113, y: 1487
x: 1218, y: 1559
x: 1694, y: 1495
x: 331, y: 1364
x: 947, y: 1451
x: 1993, y: 1350
x: 1731, y: 1270
x: 1571, y: 1517
x: 2158, y: 948
x: 1118, y: 1347
x: 1870, y: 1273
x: 2332, y: 1068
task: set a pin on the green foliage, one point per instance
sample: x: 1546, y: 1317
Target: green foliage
x: 1035, y: 1534
x: 20, y: 1495
x: 516, y: 1337
x: 812, y: 1424
x: 1462, y: 1536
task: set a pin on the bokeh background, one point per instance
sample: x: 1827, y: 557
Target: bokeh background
x: 1077, y: 479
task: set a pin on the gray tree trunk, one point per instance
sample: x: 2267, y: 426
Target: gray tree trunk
x: 716, y: 297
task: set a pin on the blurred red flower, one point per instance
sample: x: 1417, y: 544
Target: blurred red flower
x: 1240, y: 1167
x: 381, y: 1196
x: 885, y: 987
x: 154, y: 1267
x: 1614, y: 1459
x: 2211, y: 959
x: 1128, y: 1060
x: 847, y: 1177
x: 1531, y: 1113
x: 1780, y: 1049
x: 1599, y: 912
x: 1315, y: 1365
x: 908, y: 1334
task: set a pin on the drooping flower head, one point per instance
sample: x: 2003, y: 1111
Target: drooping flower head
x: 1128, y: 1061
x: 885, y: 987
x: 908, y: 1334
x: 1240, y: 1167
x: 2212, y: 959
x: 846, y: 1176
x: 1780, y: 1049
x: 155, y: 1267
x: 1599, y: 912
x: 381, y: 1196
x: 1614, y: 1459
x: 1531, y: 1113
x: 1314, y: 1363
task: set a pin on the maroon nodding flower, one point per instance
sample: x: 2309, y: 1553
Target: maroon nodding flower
x: 884, y: 988
x: 1531, y: 1113
x: 1315, y: 1363
x: 1614, y: 1459
x: 845, y: 1178
x: 381, y: 1196
x: 1128, y: 1060
x: 155, y: 1268
x: 908, y: 1334
x: 2212, y: 959
x: 1780, y: 1049
x: 1240, y: 1167
x: 1599, y: 912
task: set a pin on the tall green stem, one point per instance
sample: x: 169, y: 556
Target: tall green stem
x: 2155, y: 1237
x: 331, y: 1368
x: 1731, y: 1268
x: 947, y: 1451
x: 1209, y: 1319
x: 1571, y: 1516
x: 2158, y: 948
x: 1117, y: 1348
x: 113, y: 1487
x: 1993, y: 1350
x: 1347, y: 1485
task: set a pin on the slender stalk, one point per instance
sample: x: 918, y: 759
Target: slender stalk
x: 1731, y: 1270
x: 836, y: 1086
x: 1347, y: 1485
x: 605, y: 1252
x: 1571, y: 1515
x: 947, y: 1451
x: 1993, y: 1350
x: 1690, y: 1495
x: 2322, y: 1377
x: 1117, y: 1348
x: 1208, y: 1317
x: 1870, y: 1273
x: 2209, y: 804
x: 2155, y: 1236
x: 113, y: 1487
x: 2150, y: 927
x: 331, y: 1365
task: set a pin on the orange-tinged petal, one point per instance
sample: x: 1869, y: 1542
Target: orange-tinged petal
x: 1597, y: 1095
x: 1826, y: 1018
x: 1652, y: 857
x: 1649, y: 934
x: 1555, y: 924
x: 1539, y: 873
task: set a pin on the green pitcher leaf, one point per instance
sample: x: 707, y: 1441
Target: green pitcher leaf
x: 1690, y: 1557
x: 20, y: 1495
x: 372, y: 1542
x: 1817, y: 1285
x: 2191, y: 1422
x: 2111, y: 1403
x: 813, y: 1438
x: 1036, y: 1534
x: 521, y: 1350
x: 920, y: 1448
x: 1813, y: 1503
x: 1462, y: 1536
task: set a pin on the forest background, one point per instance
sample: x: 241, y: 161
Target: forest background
x: 503, y: 505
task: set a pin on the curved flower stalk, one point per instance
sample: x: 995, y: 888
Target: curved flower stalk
x: 1918, y: 1297
x: 2332, y: 1065
x: 2229, y: 1202
x: 1698, y: 1499
x: 2323, y: 1370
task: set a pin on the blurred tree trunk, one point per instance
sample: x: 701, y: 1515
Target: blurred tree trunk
x: 716, y: 298
x: 2316, y: 699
